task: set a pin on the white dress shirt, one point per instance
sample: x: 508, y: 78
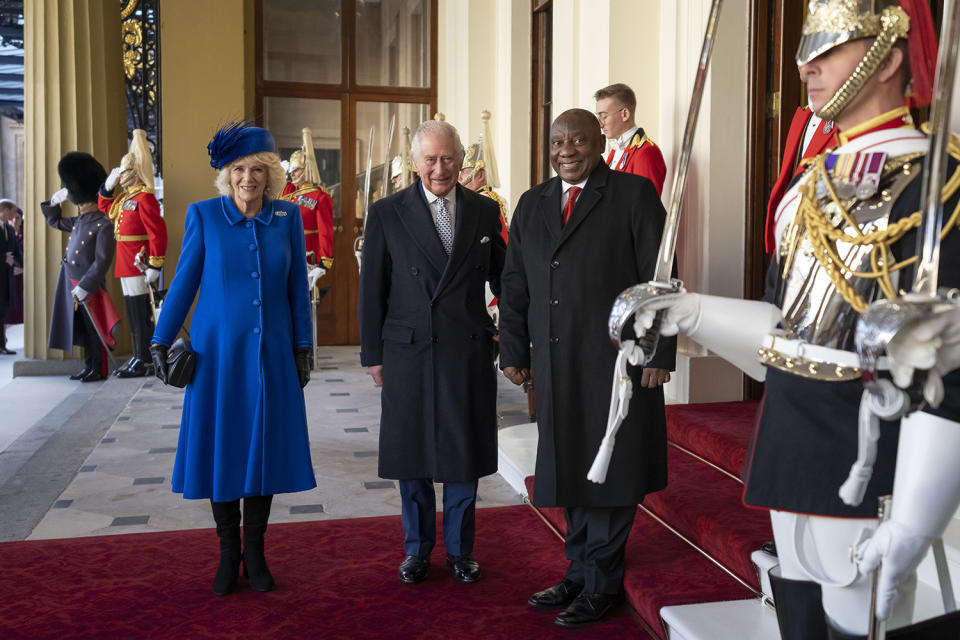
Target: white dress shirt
x: 451, y: 199
x: 620, y: 145
x: 566, y: 191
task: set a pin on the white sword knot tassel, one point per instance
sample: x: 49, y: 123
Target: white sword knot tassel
x: 619, y: 407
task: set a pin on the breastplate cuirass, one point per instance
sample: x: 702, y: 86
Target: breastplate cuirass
x: 813, y: 309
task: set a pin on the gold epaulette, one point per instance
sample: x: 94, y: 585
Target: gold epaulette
x: 638, y: 141
x: 306, y: 187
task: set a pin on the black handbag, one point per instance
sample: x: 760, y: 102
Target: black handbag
x: 181, y: 361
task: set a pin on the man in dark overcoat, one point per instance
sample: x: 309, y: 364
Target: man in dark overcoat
x: 82, y: 309
x: 426, y: 337
x: 10, y: 260
x: 576, y: 241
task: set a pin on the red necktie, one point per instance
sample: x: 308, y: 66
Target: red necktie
x: 571, y: 203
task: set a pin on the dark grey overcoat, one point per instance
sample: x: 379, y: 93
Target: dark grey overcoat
x: 559, y: 284
x: 90, y: 251
x: 423, y: 317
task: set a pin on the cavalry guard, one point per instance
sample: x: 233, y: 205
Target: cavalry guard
x: 846, y: 237
x: 127, y: 197
x: 479, y: 172
x: 316, y: 205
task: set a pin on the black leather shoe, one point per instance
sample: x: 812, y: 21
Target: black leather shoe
x: 6, y: 352
x: 80, y: 375
x: 463, y: 568
x: 413, y: 569
x: 587, y: 608
x: 769, y: 547
x: 125, y: 366
x: 93, y: 376
x: 136, y: 368
x: 559, y: 595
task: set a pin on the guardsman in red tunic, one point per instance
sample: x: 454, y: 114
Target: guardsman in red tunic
x: 316, y: 205
x: 141, y: 236
x: 479, y: 172
x: 630, y: 148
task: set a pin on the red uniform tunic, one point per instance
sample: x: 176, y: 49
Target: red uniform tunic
x: 316, y: 207
x: 643, y: 158
x: 137, y: 226
x: 823, y: 139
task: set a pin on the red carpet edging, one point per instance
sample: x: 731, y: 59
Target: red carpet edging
x: 335, y: 579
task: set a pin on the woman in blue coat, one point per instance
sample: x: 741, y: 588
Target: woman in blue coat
x: 243, y: 433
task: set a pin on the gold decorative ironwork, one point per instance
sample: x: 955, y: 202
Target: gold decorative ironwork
x: 140, y: 31
x: 840, y: 16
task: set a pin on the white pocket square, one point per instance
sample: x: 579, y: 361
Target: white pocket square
x: 484, y: 239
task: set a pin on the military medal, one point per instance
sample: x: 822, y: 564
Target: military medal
x: 130, y: 205
x: 870, y: 182
x: 304, y: 201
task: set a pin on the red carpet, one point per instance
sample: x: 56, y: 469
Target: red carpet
x: 335, y: 579
x: 717, y: 431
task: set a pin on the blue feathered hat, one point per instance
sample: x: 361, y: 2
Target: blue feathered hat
x: 235, y: 140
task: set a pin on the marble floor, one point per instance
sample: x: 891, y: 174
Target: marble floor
x: 95, y: 459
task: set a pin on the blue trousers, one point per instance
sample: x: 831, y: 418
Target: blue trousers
x: 419, y: 516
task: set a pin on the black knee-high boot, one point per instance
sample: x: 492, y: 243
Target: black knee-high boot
x: 227, y: 517
x: 141, y: 324
x: 799, y: 608
x: 256, y: 512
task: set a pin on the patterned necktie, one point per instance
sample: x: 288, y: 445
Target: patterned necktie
x: 571, y: 203
x: 442, y: 221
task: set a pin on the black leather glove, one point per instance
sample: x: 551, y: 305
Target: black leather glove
x: 159, y: 354
x: 302, y: 358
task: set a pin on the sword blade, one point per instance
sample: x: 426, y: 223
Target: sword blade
x: 366, y: 178
x: 387, y: 158
x: 935, y: 163
x: 668, y: 242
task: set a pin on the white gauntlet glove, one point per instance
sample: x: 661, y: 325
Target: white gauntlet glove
x: 79, y: 293
x: 58, y: 196
x: 151, y: 275
x: 933, y: 345
x: 733, y: 329
x: 113, y: 178
x: 313, y: 275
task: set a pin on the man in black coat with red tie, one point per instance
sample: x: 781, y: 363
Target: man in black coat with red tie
x: 426, y: 337
x: 576, y: 241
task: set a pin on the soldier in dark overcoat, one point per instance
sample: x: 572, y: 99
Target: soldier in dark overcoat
x: 425, y: 335
x: 559, y: 283
x: 81, y: 304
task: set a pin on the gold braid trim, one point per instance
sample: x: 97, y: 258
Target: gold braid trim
x: 306, y: 187
x: 824, y: 236
x: 116, y: 207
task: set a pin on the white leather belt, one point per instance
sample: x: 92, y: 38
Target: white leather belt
x: 810, y: 360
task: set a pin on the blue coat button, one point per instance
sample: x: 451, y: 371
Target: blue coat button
x: 256, y: 329
x: 256, y: 302
x: 254, y: 275
x: 253, y: 247
x: 249, y: 224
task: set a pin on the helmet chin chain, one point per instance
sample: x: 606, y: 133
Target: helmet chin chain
x: 896, y: 24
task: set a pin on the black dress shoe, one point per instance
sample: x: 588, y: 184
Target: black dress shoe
x: 80, y: 375
x: 587, y: 608
x: 769, y: 547
x: 559, y: 595
x: 413, y: 569
x: 463, y: 568
x: 125, y: 366
x: 93, y: 376
x: 136, y: 368
x: 6, y: 352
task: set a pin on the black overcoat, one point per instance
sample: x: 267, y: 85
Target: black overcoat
x: 559, y: 284
x: 423, y: 317
x: 90, y: 251
x: 8, y: 243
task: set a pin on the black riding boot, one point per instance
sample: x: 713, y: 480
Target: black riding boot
x: 256, y: 512
x: 227, y: 517
x: 799, y: 608
x: 141, y: 322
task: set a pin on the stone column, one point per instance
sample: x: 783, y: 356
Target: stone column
x: 74, y: 100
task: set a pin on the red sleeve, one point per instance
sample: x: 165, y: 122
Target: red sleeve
x: 104, y: 203
x: 156, y: 227
x: 324, y: 225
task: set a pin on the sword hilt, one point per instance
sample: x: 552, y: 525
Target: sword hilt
x: 651, y: 339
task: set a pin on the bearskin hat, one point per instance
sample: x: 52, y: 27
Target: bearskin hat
x: 82, y: 175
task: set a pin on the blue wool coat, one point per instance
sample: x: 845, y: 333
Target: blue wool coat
x: 244, y: 425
